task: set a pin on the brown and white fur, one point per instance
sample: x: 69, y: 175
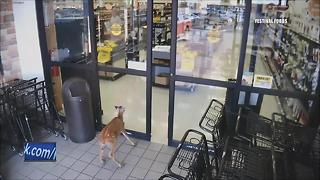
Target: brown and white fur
x: 110, y: 133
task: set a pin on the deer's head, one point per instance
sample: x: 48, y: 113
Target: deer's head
x: 120, y: 109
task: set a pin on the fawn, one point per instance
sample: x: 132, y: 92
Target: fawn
x: 110, y: 134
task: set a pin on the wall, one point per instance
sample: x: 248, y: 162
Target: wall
x: 27, y: 39
x: 8, y: 43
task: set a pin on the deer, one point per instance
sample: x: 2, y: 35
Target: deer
x: 110, y: 133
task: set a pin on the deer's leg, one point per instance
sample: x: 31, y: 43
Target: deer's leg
x: 102, y: 146
x: 112, y: 153
x: 127, y: 137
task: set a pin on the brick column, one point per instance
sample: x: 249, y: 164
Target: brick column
x: 8, y: 43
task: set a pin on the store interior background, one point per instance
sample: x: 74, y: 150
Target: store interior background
x: 208, y: 47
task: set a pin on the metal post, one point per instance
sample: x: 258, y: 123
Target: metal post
x: 93, y: 58
x: 46, y: 60
x: 172, y: 69
x: 149, y: 68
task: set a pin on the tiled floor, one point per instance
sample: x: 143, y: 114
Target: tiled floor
x: 80, y: 161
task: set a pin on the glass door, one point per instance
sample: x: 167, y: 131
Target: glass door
x: 121, y: 40
x: 67, y: 47
x: 206, y: 52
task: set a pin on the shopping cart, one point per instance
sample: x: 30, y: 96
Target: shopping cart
x: 260, y: 131
x: 191, y: 158
x: 213, y: 121
x: 240, y: 161
x: 195, y: 149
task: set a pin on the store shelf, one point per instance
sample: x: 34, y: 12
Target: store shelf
x: 303, y: 35
x: 285, y: 109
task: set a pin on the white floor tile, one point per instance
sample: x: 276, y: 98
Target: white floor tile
x: 152, y: 175
x: 119, y: 176
x: 67, y: 162
x: 133, y: 160
x: 125, y: 148
x: 167, y: 150
x: 88, y: 157
x: 84, y: 177
x: 149, y: 154
x: 91, y: 170
x: 144, y: 163
x: 126, y: 169
x: 36, y: 174
x: 110, y: 165
x: 164, y: 158
x: 94, y: 149
x: 79, y: 166
x: 137, y: 151
x: 49, y: 177
x: 155, y: 146
x: 70, y: 174
x: 58, y: 170
x: 104, y: 174
x: 77, y: 153
x: 159, y: 166
x: 139, y: 172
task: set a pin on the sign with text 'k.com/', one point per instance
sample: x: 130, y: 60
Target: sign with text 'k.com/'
x: 36, y: 151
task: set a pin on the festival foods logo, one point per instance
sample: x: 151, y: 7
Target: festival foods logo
x: 273, y: 7
x: 116, y: 29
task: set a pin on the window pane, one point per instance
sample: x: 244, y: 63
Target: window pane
x: 189, y: 107
x: 284, y: 44
x: 209, y: 35
x: 295, y: 109
x: 66, y: 25
x: 116, y: 93
x: 121, y: 33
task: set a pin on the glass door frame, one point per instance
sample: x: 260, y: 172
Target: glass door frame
x: 234, y: 85
x: 88, y: 68
x: 147, y: 74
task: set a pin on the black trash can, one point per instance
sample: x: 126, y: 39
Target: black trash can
x: 77, y: 101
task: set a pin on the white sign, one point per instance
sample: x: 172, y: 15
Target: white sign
x: 260, y: 81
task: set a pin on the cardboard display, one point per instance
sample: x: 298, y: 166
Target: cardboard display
x: 51, y: 37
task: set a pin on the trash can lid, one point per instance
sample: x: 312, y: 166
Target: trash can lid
x: 76, y: 87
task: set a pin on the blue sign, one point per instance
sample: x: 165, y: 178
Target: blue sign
x: 39, y: 151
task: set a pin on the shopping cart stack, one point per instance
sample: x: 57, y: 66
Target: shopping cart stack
x: 299, y: 159
x: 5, y: 125
x: 316, y: 153
x: 197, y: 157
x: 258, y: 130
x: 191, y: 158
x: 213, y: 122
x: 259, y: 148
x: 241, y: 161
x: 12, y: 132
x: 27, y: 106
